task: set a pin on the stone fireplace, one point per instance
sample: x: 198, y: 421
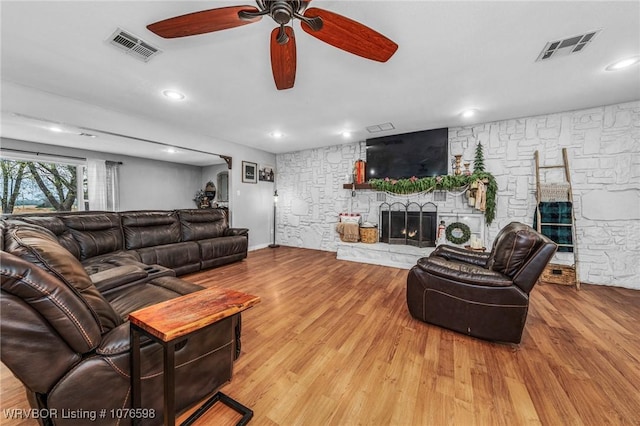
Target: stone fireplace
x: 409, y: 224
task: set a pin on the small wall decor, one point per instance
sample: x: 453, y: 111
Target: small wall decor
x: 458, y: 233
x: 266, y: 173
x: 249, y: 172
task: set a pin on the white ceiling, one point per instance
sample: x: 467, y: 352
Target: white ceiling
x: 453, y: 55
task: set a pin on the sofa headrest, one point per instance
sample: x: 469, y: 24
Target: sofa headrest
x: 95, y: 233
x: 150, y: 228
x: 202, y: 224
x: 57, y: 226
x: 513, y: 249
x: 40, y: 247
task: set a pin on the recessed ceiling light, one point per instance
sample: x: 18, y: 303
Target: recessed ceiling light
x: 623, y: 63
x: 346, y: 134
x: 276, y: 134
x: 469, y: 113
x: 55, y: 129
x: 173, y: 95
x: 171, y: 150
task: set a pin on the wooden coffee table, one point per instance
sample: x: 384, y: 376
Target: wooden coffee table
x: 173, y: 321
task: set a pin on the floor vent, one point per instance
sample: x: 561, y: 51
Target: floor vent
x: 567, y: 46
x: 132, y: 45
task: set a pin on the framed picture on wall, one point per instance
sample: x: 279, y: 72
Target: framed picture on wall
x: 249, y: 172
x: 266, y: 173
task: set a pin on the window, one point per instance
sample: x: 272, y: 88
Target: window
x: 28, y: 186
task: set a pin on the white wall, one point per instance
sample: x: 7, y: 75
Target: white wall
x: 251, y: 204
x: 603, y: 144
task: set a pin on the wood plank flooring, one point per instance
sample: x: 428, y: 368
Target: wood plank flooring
x: 332, y: 343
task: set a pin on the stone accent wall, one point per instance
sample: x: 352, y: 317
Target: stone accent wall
x: 603, y: 147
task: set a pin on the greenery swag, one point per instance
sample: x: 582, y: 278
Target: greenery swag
x: 442, y: 183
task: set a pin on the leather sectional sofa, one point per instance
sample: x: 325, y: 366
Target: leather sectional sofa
x: 69, y: 282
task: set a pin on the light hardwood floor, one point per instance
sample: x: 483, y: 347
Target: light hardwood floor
x: 332, y: 343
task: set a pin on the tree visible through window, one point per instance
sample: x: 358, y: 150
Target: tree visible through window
x: 31, y: 186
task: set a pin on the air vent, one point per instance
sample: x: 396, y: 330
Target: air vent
x: 567, y: 46
x: 132, y: 45
x: 380, y: 128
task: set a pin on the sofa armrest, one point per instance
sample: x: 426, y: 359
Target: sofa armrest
x: 462, y: 255
x: 115, y: 277
x: 116, y: 341
x: 236, y: 231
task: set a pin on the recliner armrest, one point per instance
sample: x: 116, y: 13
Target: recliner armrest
x: 462, y: 255
x: 115, y: 277
x: 463, y: 272
x: 236, y: 231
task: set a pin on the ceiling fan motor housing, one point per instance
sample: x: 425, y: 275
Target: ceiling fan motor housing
x: 282, y: 11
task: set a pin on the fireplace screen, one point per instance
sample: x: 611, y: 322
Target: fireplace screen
x: 410, y: 224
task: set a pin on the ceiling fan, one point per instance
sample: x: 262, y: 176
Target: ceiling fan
x: 332, y: 28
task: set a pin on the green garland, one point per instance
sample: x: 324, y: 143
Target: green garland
x: 466, y: 233
x: 441, y: 183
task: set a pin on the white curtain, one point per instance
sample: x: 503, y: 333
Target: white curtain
x: 113, y: 184
x: 97, y: 184
x: 103, y: 184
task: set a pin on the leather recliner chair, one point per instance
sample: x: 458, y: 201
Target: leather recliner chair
x: 485, y: 295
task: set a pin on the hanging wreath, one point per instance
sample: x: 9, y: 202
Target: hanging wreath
x: 458, y: 233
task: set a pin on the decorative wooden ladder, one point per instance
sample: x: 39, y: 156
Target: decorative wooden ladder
x: 562, y: 191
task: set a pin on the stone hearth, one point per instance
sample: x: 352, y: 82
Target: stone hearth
x: 394, y: 255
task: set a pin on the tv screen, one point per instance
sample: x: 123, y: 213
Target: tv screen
x: 418, y: 154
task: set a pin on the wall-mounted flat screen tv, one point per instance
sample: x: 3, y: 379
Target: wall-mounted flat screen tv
x: 418, y: 154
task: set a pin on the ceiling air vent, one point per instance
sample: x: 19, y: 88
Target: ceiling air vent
x: 567, y: 46
x: 133, y: 45
x: 380, y: 127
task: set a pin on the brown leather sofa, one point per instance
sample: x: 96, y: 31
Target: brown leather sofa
x: 485, y: 295
x: 68, y: 285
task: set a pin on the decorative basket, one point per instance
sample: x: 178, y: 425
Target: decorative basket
x: 347, y: 239
x: 559, y: 274
x: 369, y: 235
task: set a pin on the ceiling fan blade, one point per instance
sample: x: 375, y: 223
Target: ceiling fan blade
x: 202, y: 22
x: 283, y: 58
x: 349, y: 35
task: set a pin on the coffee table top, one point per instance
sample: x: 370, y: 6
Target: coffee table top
x: 178, y: 317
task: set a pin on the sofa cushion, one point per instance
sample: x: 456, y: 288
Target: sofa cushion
x: 140, y: 296
x: 513, y: 249
x: 214, y: 248
x: 150, y: 228
x: 202, y: 224
x: 96, y: 233
x: 40, y: 247
x: 172, y: 256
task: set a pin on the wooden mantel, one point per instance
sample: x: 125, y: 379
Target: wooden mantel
x: 357, y: 186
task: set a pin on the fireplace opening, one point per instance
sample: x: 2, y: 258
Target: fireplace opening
x: 410, y: 224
